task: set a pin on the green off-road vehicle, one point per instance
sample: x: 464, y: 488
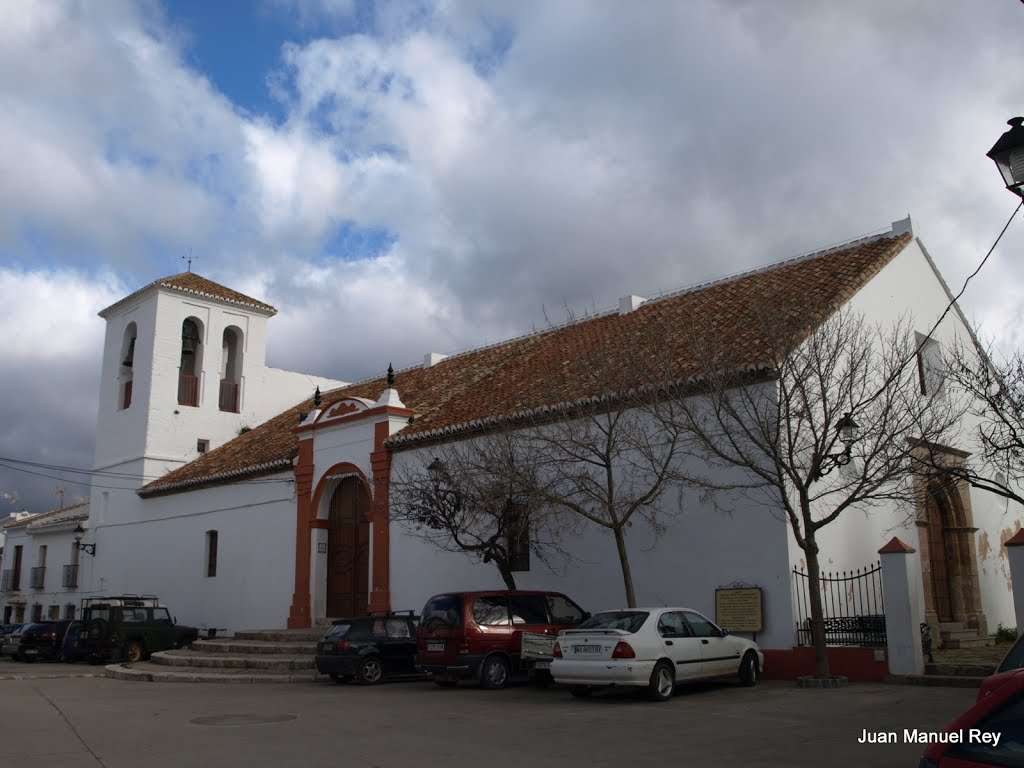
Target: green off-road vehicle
x: 129, y: 628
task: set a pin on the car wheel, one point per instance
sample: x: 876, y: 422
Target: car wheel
x: 581, y: 691
x: 370, y: 671
x: 494, y: 673
x: 133, y: 651
x: 748, y: 669
x: 663, y: 682
x: 340, y: 678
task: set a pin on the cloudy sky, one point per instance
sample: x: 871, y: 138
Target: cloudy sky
x: 406, y: 177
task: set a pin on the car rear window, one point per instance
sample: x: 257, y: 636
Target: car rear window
x: 563, y: 610
x: 628, y: 621
x: 528, y: 609
x: 337, y: 631
x: 443, y: 610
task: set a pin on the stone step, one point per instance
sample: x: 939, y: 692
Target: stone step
x: 250, y: 647
x: 970, y: 670
x: 972, y: 642
x: 270, y: 662
x: 950, y: 626
x: 282, y: 635
x: 157, y: 673
x: 959, y: 634
x: 949, y: 681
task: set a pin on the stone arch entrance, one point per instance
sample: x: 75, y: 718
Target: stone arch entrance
x: 348, y: 550
x: 949, y: 556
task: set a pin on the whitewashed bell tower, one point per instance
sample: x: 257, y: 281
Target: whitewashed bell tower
x: 184, y: 371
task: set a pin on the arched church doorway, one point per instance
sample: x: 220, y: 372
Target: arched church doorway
x: 348, y: 550
x: 943, y: 577
x: 949, y: 556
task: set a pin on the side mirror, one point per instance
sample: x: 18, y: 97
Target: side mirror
x: 725, y: 632
x: 175, y: 619
x: 586, y: 615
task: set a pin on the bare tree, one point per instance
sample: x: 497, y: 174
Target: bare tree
x: 996, y: 392
x: 783, y: 430
x: 469, y: 499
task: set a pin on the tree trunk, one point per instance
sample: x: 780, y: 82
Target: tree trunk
x: 627, y: 576
x: 821, y: 668
x: 506, y: 574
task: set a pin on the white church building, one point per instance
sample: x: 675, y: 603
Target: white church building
x: 261, y: 508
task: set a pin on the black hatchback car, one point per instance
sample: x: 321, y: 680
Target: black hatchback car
x: 369, y: 649
x: 42, y: 640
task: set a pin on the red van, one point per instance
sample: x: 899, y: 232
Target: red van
x: 479, y: 635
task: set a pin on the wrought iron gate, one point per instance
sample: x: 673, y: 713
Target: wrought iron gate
x: 851, y: 605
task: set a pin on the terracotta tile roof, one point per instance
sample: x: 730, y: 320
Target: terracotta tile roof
x: 71, y: 512
x: 537, y: 370
x: 191, y: 283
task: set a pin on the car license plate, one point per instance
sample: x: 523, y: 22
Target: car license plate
x: 31, y: 651
x: 435, y: 647
x: 543, y: 665
x: 585, y: 650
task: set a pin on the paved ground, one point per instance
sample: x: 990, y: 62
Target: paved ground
x: 78, y: 722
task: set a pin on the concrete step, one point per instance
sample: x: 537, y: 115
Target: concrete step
x: 949, y: 681
x: 960, y: 634
x: 972, y: 642
x: 310, y: 635
x: 969, y: 670
x: 950, y: 626
x: 157, y: 673
x: 252, y: 647
x: 269, y: 662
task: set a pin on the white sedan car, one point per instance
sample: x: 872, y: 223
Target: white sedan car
x: 652, y: 648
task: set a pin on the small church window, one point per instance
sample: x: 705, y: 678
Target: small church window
x: 202, y: 446
x: 930, y: 375
x: 211, y: 553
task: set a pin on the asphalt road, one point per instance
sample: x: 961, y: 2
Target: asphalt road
x: 78, y: 722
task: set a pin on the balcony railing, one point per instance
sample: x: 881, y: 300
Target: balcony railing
x: 70, y: 580
x: 38, y: 577
x: 7, y: 581
x: 188, y: 390
x: 228, y: 396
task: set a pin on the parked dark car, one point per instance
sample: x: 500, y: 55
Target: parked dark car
x: 42, y: 641
x: 369, y: 649
x: 1013, y: 660
x: 6, y: 629
x: 72, y: 649
x: 478, y: 636
x: 11, y: 641
x: 129, y: 628
x: 999, y: 714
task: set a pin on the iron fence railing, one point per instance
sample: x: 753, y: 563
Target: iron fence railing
x: 38, y: 577
x: 70, y: 580
x: 852, y: 608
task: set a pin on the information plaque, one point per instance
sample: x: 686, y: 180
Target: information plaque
x: 738, y: 609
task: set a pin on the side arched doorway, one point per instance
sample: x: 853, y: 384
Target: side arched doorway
x: 348, y: 550
x: 949, y: 558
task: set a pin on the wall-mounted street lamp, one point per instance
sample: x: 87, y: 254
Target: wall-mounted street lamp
x: 1008, y: 155
x: 847, y: 431
x: 89, y: 549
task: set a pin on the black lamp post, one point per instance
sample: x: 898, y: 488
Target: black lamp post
x: 1008, y: 155
x: 89, y: 549
x: 847, y: 431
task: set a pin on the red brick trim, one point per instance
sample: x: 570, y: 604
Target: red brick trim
x: 300, y: 614
x: 320, y: 523
x: 380, y: 461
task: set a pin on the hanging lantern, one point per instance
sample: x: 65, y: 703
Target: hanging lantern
x: 1008, y: 155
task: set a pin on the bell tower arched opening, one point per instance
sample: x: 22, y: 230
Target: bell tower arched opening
x: 231, y: 370
x: 126, y: 362
x: 191, y: 367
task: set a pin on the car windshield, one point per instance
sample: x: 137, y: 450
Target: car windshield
x: 628, y: 621
x: 442, y: 611
x: 1015, y: 658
